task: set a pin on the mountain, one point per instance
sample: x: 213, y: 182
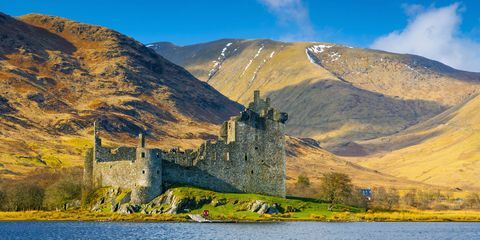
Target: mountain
x: 333, y: 93
x: 58, y: 76
x: 443, y: 150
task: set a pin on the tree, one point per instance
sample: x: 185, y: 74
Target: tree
x: 472, y: 201
x: 303, y: 181
x: 410, y: 198
x: 336, y: 188
x: 424, y: 199
x: 357, y: 199
x: 383, y: 199
x: 2, y: 200
x: 62, y: 192
x: 24, y: 196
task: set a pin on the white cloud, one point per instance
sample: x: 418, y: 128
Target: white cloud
x: 291, y: 12
x: 434, y: 33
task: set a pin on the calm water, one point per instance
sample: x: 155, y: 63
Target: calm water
x: 277, y: 231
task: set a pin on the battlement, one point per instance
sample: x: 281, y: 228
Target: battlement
x: 249, y: 156
x: 256, y: 115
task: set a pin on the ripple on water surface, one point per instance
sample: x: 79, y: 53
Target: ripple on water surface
x: 283, y: 230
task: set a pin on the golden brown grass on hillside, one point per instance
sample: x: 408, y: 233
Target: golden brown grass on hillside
x: 59, y: 76
x: 346, y: 94
x: 447, y: 153
x: 312, y: 161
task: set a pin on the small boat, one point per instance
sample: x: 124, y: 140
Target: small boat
x: 199, y: 218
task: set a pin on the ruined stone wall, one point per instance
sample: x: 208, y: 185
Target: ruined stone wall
x: 138, y: 169
x: 252, y: 161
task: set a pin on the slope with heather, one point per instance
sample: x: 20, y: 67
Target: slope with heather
x: 57, y: 76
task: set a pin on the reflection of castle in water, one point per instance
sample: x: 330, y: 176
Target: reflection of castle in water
x: 249, y: 156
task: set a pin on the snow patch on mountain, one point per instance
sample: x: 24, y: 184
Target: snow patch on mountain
x: 217, y: 64
x: 319, y: 48
x: 260, y: 66
x: 334, y: 56
x: 251, y: 60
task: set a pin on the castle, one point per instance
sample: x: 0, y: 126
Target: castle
x: 249, y: 156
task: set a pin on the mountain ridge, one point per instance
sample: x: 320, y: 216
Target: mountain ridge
x: 334, y: 84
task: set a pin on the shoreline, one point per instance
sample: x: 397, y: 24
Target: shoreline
x: 87, y: 216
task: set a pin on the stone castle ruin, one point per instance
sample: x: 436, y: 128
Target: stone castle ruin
x: 249, y: 156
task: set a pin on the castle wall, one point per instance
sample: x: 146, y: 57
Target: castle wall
x: 139, y: 169
x: 253, y: 161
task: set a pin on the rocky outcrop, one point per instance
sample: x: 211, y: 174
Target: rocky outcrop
x: 175, y: 202
x: 262, y: 207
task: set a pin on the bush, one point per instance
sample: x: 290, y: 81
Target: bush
x: 303, y: 181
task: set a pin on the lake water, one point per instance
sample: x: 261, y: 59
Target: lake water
x: 277, y: 231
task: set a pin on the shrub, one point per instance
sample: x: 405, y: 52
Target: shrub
x: 303, y: 181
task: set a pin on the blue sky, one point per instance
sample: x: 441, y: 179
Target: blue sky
x: 374, y: 23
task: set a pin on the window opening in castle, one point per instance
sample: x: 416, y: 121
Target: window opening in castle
x: 143, y: 154
x: 143, y: 171
x: 246, y: 157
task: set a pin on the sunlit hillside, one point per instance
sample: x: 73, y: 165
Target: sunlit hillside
x: 444, y: 150
x: 58, y: 76
x: 308, y: 159
x: 333, y: 93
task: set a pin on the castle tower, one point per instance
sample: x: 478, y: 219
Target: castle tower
x: 141, y: 140
x: 148, y: 170
x: 96, y: 139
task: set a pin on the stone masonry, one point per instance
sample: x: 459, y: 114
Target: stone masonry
x: 249, y: 156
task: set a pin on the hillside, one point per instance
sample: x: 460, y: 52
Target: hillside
x: 57, y: 76
x: 443, y: 150
x: 305, y: 157
x: 333, y: 93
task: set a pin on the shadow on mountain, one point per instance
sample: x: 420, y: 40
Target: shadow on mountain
x: 16, y: 35
x: 335, y: 111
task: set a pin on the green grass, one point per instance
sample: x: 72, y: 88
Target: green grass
x: 235, y: 206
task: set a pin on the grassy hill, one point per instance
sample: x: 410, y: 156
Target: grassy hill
x: 443, y: 150
x: 333, y: 93
x: 306, y: 158
x: 57, y: 76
